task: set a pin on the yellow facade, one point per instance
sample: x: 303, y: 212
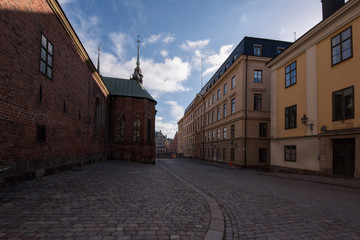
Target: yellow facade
x: 327, y: 144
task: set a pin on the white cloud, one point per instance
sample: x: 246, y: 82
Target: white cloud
x: 163, y: 37
x: 190, y: 45
x: 164, y: 53
x: 120, y: 41
x: 176, y: 110
x: 214, y: 61
x: 168, y: 39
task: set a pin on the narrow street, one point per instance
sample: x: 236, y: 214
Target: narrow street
x: 177, y: 199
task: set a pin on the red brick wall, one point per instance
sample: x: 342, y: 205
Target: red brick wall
x: 70, y: 137
x: 133, y: 108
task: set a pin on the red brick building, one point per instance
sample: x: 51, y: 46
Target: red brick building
x: 54, y: 106
x: 131, y: 121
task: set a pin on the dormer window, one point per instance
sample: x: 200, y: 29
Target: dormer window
x: 257, y: 50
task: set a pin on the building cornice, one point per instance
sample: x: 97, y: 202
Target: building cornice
x: 77, y: 43
x: 349, y: 12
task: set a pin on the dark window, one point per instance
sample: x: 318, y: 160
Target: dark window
x: 343, y: 104
x: 235, y: 57
x: 46, y: 57
x: 257, y: 50
x: 233, y: 82
x: 225, y: 88
x: 120, y: 129
x: 41, y: 133
x: 149, y: 131
x: 218, y: 114
x: 257, y: 102
x: 232, y: 105
x: 224, y: 154
x: 213, y: 116
x: 213, y: 98
x: 290, y: 153
x: 79, y: 114
x: 97, y: 117
x: 225, y: 106
x: 232, y: 131
x: 290, y: 75
x: 263, y: 155
x: 232, y: 154
x: 290, y: 117
x: 341, y: 46
x: 263, y: 130
x: 280, y: 50
x: 258, y: 76
x: 40, y: 94
x: 64, y: 107
x: 218, y: 94
x: 218, y: 154
x: 136, y: 130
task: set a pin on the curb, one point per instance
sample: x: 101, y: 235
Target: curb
x: 217, y: 223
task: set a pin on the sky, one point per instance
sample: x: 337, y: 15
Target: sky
x: 182, y: 41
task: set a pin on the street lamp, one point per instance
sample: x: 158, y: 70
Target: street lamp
x: 304, y: 120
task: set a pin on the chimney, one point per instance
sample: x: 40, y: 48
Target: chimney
x: 331, y: 6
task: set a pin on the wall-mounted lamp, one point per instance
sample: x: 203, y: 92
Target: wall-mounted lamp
x: 304, y: 120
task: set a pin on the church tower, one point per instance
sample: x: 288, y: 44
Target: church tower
x: 137, y: 71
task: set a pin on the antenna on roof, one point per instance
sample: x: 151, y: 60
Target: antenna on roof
x: 201, y: 72
x: 294, y: 36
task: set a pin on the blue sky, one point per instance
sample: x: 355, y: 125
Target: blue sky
x: 175, y: 35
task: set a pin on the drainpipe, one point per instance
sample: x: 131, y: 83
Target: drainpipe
x: 246, y: 105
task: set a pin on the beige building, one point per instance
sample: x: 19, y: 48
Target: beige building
x: 315, y: 121
x: 228, y: 120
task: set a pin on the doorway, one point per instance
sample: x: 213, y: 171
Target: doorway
x: 344, y: 157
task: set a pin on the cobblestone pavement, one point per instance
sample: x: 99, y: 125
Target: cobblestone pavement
x: 109, y: 200
x: 176, y: 199
x: 260, y: 206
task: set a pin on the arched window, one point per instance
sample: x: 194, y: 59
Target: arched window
x: 97, y: 117
x: 120, y: 129
x: 136, y: 130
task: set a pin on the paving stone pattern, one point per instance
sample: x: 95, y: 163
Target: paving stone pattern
x: 109, y: 200
x: 258, y: 206
x: 175, y: 199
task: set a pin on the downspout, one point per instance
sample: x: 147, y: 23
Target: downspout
x: 203, y: 133
x: 246, y: 105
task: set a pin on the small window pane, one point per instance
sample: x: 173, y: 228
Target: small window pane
x: 50, y: 48
x: 43, y: 41
x: 49, y: 72
x: 49, y: 61
x: 287, y: 69
x: 43, y: 54
x: 346, y: 34
x: 335, y: 40
x: 42, y: 67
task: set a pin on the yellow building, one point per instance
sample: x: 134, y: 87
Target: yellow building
x: 315, y: 121
x: 228, y: 120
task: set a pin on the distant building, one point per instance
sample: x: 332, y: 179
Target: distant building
x: 160, y: 141
x: 228, y: 120
x: 315, y: 121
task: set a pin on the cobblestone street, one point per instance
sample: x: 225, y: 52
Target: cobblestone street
x: 177, y: 199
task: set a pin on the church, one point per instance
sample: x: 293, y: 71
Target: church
x: 56, y: 111
x: 131, y: 118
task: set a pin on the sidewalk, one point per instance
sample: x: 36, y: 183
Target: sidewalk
x: 330, y: 180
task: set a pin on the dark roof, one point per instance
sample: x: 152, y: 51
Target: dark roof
x: 269, y: 49
x: 126, y: 88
